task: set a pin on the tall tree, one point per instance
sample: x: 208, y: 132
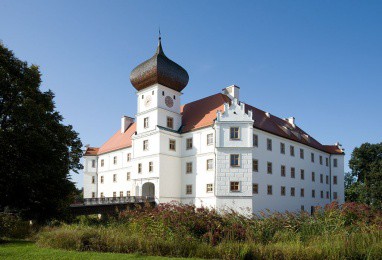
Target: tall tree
x: 37, y: 151
x: 366, y: 166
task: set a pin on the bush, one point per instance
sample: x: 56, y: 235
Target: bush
x: 348, y: 231
x: 12, y: 226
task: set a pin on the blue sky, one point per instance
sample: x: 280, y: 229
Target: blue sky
x: 319, y: 61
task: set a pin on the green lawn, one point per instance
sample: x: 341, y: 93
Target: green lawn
x: 28, y: 250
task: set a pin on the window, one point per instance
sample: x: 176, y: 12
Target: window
x: 93, y: 195
x: 93, y: 163
x: 188, y: 189
x: 234, y: 133
x: 234, y: 186
x: 291, y: 150
x: 235, y: 160
x: 93, y: 179
x: 321, y: 159
x: 255, y: 165
x: 327, y: 179
x: 121, y: 194
x: 102, y: 179
x: 292, y: 191
x: 313, y: 177
x: 302, y: 208
x: 302, y: 193
x: 151, y: 166
x: 255, y: 141
x: 269, y: 144
x: 321, y: 178
x: 102, y: 162
x: 152, y: 93
x: 334, y: 180
x: 313, y: 193
x: 302, y: 153
x: 312, y: 157
x: 143, y: 96
x: 189, y: 167
x: 162, y: 93
x: 269, y: 168
x: 102, y: 196
x: 145, y: 145
x: 282, y: 148
x: 170, y: 122
x: 174, y: 97
x: 114, y: 194
x: 282, y: 190
x: 322, y: 194
x: 128, y: 157
x: 189, y: 143
x: 114, y: 177
x: 311, y: 210
x: 210, y: 139
x: 327, y: 161
x: 210, y: 164
x: 128, y: 193
x: 302, y: 174
x: 172, y: 144
x: 115, y: 159
x: 128, y: 176
x: 282, y: 170
x: 269, y: 189
x: 335, y: 195
x: 209, y: 188
x: 335, y: 162
x: 255, y: 188
x: 139, y: 168
x: 146, y: 122
x: 327, y: 194
x: 292, y: 172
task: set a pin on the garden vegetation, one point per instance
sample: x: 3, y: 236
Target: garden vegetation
x: 348, y: 231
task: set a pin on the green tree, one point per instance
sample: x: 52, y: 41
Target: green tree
x: 366, y: 166
x: 37, y: 151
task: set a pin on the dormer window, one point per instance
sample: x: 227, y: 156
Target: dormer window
x: 235, y: 133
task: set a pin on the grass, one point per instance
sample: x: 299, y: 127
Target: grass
x: 29, y: 250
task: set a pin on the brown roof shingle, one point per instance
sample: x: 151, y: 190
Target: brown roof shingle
x: 202, y: 113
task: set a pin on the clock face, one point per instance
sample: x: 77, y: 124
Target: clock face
x: 148, y: 101
x: 169, y: 102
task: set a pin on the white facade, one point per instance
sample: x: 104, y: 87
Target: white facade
x: 202, y: 172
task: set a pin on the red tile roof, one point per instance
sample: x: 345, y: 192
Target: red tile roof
x: 91, y: 151
x: 202, y: 113
x: 118, y: 140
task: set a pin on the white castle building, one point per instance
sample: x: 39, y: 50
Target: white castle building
x: 215, y: 152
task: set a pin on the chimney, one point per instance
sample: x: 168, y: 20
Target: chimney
x: 291, y: 121
x: 125, y: 123
x: 232, y: 92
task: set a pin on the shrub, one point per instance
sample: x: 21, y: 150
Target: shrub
x: 12, y: 226
x: 347, y: 231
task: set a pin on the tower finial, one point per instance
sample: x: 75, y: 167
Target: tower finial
x: 159, y: 49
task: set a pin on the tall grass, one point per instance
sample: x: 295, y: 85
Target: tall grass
x: 336, y: 232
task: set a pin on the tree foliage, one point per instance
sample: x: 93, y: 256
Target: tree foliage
x: 37, y: 150
x: 365, y: 183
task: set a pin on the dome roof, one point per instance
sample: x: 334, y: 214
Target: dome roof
x: 159, y: 69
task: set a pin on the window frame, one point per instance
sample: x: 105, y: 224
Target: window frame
x: 172, y: 144
x: 255, y: 188
x: 210, y: 139
x: 234, y: 186
x: 269, y: 144
x: 170, y: 122
x: 212, y: 164
x: 234, y: 133
x: 234, y: 160
x: 189, y: 143
x: 146, y: 122
x: 189, y: 167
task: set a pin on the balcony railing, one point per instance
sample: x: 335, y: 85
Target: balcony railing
x: 115, y: 200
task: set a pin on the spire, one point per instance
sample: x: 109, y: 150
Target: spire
x: 159, y: 49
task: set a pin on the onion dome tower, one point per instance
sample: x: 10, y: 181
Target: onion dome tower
x: 159, y: 69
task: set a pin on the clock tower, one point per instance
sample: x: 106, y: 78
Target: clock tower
x: 157, y: 143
